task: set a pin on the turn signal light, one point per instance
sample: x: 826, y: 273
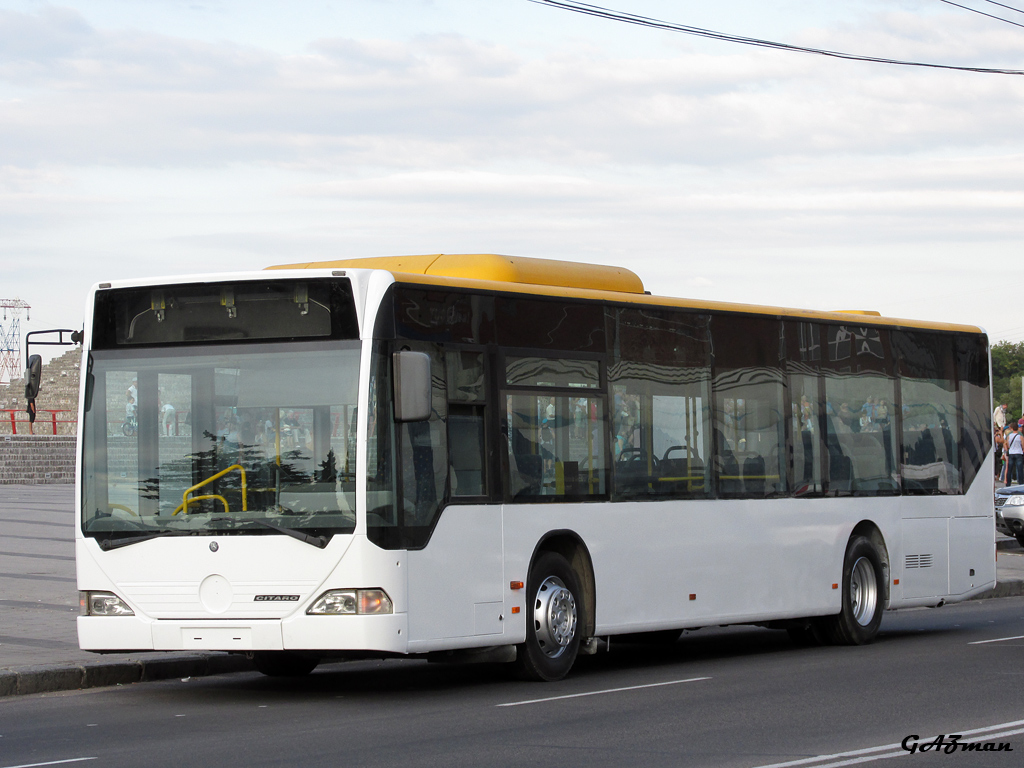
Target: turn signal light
x: 373, y: 602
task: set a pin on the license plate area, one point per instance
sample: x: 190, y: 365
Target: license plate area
x: 216, y: 638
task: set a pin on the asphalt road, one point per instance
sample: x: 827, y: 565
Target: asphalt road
x: 739, y: 696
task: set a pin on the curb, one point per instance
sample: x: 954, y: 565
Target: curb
x: 21, y: 681
x: 1008, y: 588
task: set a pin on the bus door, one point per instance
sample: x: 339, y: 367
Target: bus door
x: 448, y: 522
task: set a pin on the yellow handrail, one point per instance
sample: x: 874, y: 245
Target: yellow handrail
x: 185, y: 500
x: 122, y: 506
x: 194, y: 499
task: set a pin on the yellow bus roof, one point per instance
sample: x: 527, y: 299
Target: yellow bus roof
x: 547, y: 277
x: 494, y: 268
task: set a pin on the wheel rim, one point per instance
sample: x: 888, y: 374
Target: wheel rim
x: 554, y: 617
x: 863, y: 591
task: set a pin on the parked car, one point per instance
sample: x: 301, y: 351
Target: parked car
x: 1010, y: 511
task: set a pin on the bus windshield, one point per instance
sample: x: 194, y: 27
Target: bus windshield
x: 220, y: 440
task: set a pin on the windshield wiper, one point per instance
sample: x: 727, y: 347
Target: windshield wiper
x: 108, y: 544
x: 316, y: 541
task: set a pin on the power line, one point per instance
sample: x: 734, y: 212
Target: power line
x: 982, y: 13
x: 1004, y: 5
x: 645, y: 21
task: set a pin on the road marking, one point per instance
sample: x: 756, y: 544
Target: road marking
x: 887, y: 751
x: 52, y: 762
x: 997, y: 640
x: 598, y: 693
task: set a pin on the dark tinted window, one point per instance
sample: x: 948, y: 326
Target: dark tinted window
x: 660, y: 377
x: 225, y: 312
x: 749, y: 406
x: 928, y: 392
x: 859, y: 405
x: 976, y: 420
x: 803, y: 369
x: 382, y: 523
x: 555, y: 325
x: 443, y: 316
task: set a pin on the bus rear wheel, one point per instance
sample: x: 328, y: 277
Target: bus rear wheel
x: 284, y: 663
x: 554, y: 621
x: 863, y: 596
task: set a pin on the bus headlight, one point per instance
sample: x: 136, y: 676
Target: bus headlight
x: 102, y: 604
x: 340, y: 602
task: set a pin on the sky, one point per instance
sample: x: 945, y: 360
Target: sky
x: 163, y: 137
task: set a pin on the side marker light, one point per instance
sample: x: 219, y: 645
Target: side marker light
x: 515, y: 585
x: 515, y: 609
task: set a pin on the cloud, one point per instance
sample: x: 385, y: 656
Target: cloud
x: 140, y: 99
x: 727, y: 172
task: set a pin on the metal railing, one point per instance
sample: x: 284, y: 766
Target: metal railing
x: 49, y: 421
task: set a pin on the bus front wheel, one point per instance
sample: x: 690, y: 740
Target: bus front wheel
x: 863, y: 596
x: 554, y: 621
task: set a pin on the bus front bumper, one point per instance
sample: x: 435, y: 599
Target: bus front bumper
x: 387, y: 633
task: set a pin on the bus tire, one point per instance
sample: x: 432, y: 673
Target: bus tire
x: 554, y: 621
x: 284, y: 663
x: 863, y: 596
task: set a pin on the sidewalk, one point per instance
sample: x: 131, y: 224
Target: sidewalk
x: 39, y: 602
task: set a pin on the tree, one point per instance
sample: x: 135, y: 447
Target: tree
x: 1007, y: 372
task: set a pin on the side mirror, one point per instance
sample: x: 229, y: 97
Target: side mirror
x: 33, y: 376
x: 412, y: 386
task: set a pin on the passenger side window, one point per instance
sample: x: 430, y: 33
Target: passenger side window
x: 975, y: 419
x: 467, y: 397
x: 423, y: 474
x: 750, y: 415
x: 931, y: 454
x: 555, y: 429
x: 661, y: 400
x: 860, y: 393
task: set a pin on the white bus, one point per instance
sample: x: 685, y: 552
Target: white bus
x: 514, y: 459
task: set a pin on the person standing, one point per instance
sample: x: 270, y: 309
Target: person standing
x: 1014, y: 456
x: 999, y: 416
x: 170, y: 422
x: 997, y: 443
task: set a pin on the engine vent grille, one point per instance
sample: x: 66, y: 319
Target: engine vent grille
x: 918, y: 561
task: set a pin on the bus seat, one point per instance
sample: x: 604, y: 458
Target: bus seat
x: 729, y: 481
x: 753, y: 475
x: 531, y: 473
